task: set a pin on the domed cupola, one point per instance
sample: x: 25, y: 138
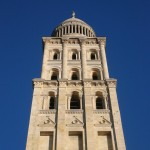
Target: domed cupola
x: 73, y: 27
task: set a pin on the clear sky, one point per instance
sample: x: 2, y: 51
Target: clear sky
x: 126, y: 24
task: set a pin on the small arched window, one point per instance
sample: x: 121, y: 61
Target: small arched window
x: 54, y: 76
x: 74, y: 56
x: 55, y: 56
x: 75, y: 102
x: 74, y: 76
x: 99, y: 103
x: 95, y: 76
x: 52, y: 103
x: 93, y: 56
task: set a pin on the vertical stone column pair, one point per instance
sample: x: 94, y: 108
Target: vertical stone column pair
x: 102, y: 44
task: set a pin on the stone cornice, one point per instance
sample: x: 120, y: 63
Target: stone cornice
x: 111, y: 83
x: 38, y: 82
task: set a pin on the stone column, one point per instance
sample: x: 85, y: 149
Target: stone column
x: 68, y: 103
x: 75, y: 28
x: 55, y: 102
x: 98, y: 56
x: 82, y: 29
x: 68, y: 29
x: 60, y: 55
x: 64, y: 60
x: 80, y: 102
x: 83, y: 59
x: 102, y: 43
x: 65, y: 29
x: 94, y: 103
x: 79, y: 55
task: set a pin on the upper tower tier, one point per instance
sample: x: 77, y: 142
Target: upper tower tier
x: 73, y: 27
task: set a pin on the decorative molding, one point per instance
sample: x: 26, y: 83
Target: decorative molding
x: 50, y: 83
x: 87, y: 83
x: 62, y: 83
x: 76, y: 122
x: 102, y: 121
x: 91, y: 41
x: 101, y: 111
x: 112, y: 83
x: 74, y: 84
x: 52, y: 111
x: 74, y: 111
x: 98, y: 83
x: 37, y: 84
x: 51, y: 40
x: 47, y: 123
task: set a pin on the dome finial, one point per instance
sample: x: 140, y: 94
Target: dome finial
x: 73, y: 14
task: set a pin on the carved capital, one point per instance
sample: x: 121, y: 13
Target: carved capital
x: 102, y: 41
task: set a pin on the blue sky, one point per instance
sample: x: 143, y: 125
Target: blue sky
x: 126, y: 24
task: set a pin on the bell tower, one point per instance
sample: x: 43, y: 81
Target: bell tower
x: 75, y: 105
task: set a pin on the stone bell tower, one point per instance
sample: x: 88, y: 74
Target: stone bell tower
x: 75, y: 105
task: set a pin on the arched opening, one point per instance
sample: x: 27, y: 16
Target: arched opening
x: 52, y: 103
x: 75, y: 101
x: 55, y: 56
x: 93, y: 56
x: 99, y: 103
x: 74, y: 56
x: 74, y: 76
x: 95, y: 76
x: 54, y: 76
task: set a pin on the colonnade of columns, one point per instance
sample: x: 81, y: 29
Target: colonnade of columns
x: 74, y: 29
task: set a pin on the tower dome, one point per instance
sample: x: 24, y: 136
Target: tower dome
x: 73, y: 27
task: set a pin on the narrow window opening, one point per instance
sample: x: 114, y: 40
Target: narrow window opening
x: 67, y: 30
x: 93, y: 56
x: 75, y: 102
x: 99, y: 103
x: 74, y: 76
x: 70, y: 29
x: 73, y: 29
x: 55, y: 56
x: 95, y: 76
x: 74, y: 56
x: 54, y: 76
x: 52, y: 103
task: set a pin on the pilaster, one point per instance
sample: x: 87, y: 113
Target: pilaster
x: 116, y: 119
